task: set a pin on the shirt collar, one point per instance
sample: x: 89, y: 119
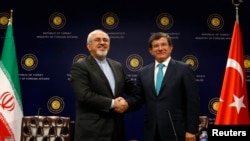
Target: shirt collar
x: 104, y: 61
x: 166, y: 62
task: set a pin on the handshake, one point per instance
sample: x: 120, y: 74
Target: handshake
x: 120, y: 105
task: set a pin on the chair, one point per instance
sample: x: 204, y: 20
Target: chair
x: 203, y: 125
x: 45, y: 128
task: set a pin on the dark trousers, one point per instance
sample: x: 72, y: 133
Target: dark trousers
x: 157, y: 135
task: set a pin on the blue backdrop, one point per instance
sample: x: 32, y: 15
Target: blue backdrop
x: 51, y: 35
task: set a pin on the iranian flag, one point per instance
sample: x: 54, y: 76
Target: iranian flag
x: 11, y: 112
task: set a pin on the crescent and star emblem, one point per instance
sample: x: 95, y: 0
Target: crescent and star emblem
x: 238, y: 102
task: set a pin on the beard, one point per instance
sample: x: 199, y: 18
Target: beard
x: 102, y: 53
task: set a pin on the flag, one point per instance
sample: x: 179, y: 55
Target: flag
x: 233, y: 103
x: 11, y: 112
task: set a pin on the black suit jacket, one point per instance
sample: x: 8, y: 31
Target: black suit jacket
x: 95, y: 121
x: 176, y: 108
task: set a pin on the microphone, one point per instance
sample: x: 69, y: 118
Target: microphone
x: 170, y: 117
x: 38, y: 112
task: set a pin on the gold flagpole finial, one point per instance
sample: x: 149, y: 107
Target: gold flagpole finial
x: 237, y: 4
x: 237, y: 9
x: 11, y: 17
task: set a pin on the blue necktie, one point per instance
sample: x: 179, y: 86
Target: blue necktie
x: 159, y: 78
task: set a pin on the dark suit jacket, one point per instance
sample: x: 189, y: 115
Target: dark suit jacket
x: 95, y: 121
x: 178, y: 102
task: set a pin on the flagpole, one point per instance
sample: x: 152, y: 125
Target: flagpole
x: 11, y: 17
x: 237, y: 9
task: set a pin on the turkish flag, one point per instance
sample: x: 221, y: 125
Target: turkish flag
x: 233, y: 104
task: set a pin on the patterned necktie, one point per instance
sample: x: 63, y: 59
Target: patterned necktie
x: 159, y: 78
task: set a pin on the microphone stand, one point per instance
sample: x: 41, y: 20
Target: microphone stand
x: 170, y: 117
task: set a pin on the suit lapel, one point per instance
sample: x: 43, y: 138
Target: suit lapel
x: 168, y: 73
x: 112, y: 66
x: 151, y: 78
x: 98, y: 70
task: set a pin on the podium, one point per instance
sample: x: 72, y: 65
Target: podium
x: 45, y: 128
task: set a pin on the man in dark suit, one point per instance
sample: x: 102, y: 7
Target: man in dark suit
x: 172, y: 114
x: 99, y: 83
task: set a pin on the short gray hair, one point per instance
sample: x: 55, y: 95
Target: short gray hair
x: 89, y: 38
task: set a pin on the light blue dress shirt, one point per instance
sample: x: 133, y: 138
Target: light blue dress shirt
x: 108, y: 73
